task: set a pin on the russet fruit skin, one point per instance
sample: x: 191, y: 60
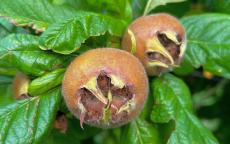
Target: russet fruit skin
x: 20, y: 86
x: 159, y: 41
x: 105, y: 87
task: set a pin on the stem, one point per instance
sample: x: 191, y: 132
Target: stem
x: 146, y: 8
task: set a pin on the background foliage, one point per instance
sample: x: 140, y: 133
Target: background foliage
x: 40, y: 37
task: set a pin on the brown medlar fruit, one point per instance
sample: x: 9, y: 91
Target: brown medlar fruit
x: 20, y: 86
x: 105, y: 87
x: 158, y: 40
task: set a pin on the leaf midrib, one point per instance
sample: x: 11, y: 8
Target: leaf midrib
x: 19, y: 107
x: 186, y: 112
x: 138, y: 132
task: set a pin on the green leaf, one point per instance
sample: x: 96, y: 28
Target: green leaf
x: 110, y: 136
x: 138, y: 7
x: 60, y: 138
x: 27, y: 121
x: 209, y: 96
x: 8, y: 71
x: 4, y: 31
x: 5, y: 80
x: 65, y: 37
x: 147, y: 107
x: 208, y: 45
x: 218, y: 5
x: 46, y: 82
x: 7, y: 28
x: 77, y: 132
x: 151, y: 4
x: 6, y: 95
x: 176, y: 9
x: 36, y: 13
x: 23, y: 52
x: 222, y: 6
x: 173, y: 102
x: 117, y: 8
x: 139, y: 131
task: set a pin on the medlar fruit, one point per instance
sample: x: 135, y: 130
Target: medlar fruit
x: 20, y: 86
x: 159, y: 41
x: 105, y: 87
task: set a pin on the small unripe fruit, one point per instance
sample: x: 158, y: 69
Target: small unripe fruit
x: 158, y: 40
x: 61, y: 122
x: 105, y: 87
x: 20, y: 86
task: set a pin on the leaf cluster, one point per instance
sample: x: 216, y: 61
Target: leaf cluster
x: 39, y: 38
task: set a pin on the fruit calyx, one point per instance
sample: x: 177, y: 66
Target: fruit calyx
x: 105, y: 98
x: 164, y: 50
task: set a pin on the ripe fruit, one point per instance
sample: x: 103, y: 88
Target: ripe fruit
x: 105, y: 87
x: 20, y: 86
x: 158, y: 40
